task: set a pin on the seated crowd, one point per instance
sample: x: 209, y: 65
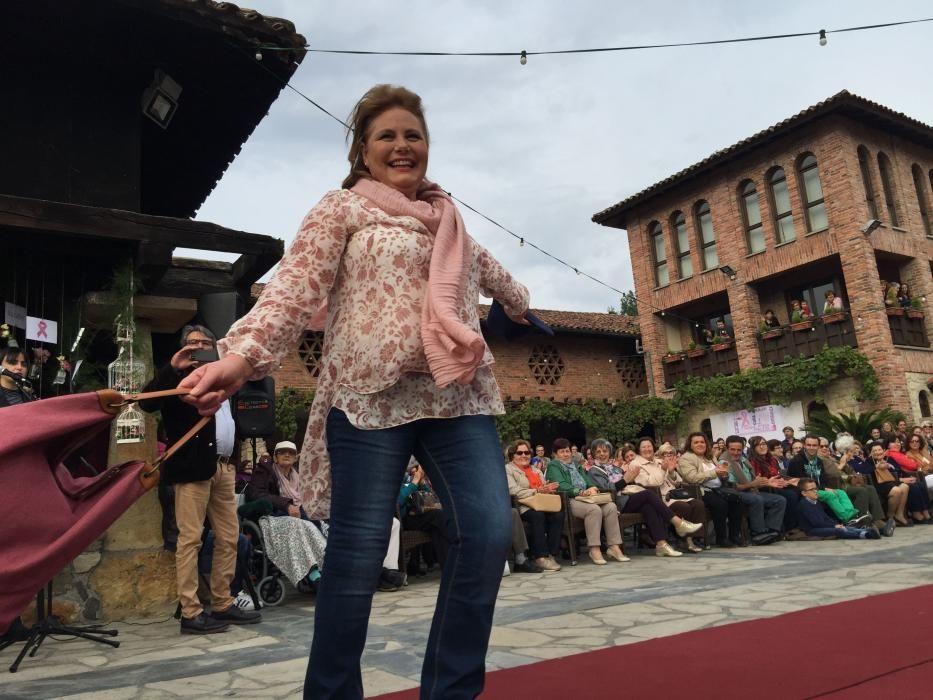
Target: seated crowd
x: 727, y: 493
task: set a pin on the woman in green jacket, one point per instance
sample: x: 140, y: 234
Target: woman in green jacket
x: 574, y: 481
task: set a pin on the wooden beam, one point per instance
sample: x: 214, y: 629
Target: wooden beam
x: 76, y: 220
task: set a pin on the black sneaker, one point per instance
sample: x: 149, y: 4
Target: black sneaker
x: 765, y: 538
x: 390, y: 580
x: 861, y: 522
x: 203, y: 624
x: 235, y: 616
x: 527, y: 567
x: 872, y: 533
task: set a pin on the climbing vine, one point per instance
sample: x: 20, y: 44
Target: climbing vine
x: 798, y: 375
x: 616, y: 422
x: 289, y: 404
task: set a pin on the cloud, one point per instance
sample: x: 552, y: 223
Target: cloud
x: 542, y: 147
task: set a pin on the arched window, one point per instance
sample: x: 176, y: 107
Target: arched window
x: 706, y: 427
x: 704, y: 221
x: 656, y: 237
x: 751, y: 215
x: 864, y: 165
x: 890, y: 198
x: 682, y: 241
x: 811, y: 193
x: 924, y: 399
x: 921, y: 189
x: 780, y: 205
x: 816, y: 410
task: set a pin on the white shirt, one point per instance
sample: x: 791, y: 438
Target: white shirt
x: 226, y: 430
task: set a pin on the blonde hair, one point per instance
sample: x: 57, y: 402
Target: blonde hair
x: 378, y: 99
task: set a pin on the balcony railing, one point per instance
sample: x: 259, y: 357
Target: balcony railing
x: 907, y: 329
x: 807, y: 341
x: 711, y: 363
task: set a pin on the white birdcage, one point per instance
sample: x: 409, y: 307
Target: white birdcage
x: 126, y: 374
x: 130, y: 425
x: 123, y: 329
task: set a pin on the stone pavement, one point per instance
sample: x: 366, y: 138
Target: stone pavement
x: 539, y: 616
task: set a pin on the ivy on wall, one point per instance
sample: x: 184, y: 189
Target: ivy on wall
x: 615, y: 422
x: 289, y: 404
x: 798, y: 375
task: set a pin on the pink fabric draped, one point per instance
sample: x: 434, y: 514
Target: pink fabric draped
x: 49, y: 515
x: 453, y: 350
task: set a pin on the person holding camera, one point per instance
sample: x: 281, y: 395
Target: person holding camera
x: 203, y: 477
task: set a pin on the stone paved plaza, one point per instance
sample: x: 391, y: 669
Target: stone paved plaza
x: 539, y: 616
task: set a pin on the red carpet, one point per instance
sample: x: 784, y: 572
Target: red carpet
x: 875, y: 647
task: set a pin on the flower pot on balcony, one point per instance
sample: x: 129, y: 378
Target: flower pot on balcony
x: 773, y: 333
x: 696, y: 352
x: 895, y: 311
x: 801, y: 325
x: 836, y: 317
x: 719, y: 347
x: 914, y: 313
x: 671, y: 359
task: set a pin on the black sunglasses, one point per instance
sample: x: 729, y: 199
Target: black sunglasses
x: 522, y: 452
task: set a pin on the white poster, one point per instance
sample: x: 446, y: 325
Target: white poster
x: 41, y: 329
x: 14, y: 315
x: 767, y: 421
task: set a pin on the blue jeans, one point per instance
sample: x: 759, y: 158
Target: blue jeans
x: 843, y: 533
x: 463, y: 459
x: 765, y: 511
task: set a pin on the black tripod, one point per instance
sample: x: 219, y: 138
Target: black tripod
x: 48, y: 625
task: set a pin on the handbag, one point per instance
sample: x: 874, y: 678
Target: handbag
x: 680, y: 494
x: 542, y: 502
x: 421, y: 501
x: 883, y: 475
x: 600, y: 499
x: 632, y: 488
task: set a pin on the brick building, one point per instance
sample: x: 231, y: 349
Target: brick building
x: 782, y: 215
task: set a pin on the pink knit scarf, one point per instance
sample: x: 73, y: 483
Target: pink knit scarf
x: 453, y: 349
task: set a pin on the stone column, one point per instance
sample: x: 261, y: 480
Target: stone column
x: 125, y: 573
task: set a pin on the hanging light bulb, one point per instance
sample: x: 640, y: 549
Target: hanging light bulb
x: 822, y: 37
x: 524, y: 58
x: 258, y: 55
x: 521, y: 242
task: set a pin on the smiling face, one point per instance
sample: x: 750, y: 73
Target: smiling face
x: 646, y: 449
x: 602, y: 454
x: 698, y: 445
x: 396, y: 151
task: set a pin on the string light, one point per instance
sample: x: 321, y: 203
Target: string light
x: 258, y: 55
x: 521, y: 239
x: 523, y: 54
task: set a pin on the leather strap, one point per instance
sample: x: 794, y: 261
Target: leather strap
x: 178, y: 443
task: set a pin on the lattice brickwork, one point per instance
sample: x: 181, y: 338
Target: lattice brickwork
x: 310, y: 349
x: 545, y: 364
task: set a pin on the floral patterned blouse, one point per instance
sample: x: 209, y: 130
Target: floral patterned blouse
x: 371, y: 269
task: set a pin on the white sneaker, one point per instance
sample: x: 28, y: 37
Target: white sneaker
x: 243, y: 601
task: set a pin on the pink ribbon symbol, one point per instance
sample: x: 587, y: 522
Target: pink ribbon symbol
x: 40, y: 333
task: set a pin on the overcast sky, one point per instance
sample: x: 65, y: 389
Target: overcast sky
x: 544, y: 146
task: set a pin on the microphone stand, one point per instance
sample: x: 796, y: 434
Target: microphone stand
x: 47, y: 625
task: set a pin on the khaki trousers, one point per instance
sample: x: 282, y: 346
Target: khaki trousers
x: 594, y: 517
x: 214, y: 498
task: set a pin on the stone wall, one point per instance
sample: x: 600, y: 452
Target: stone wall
x: 125, y: 572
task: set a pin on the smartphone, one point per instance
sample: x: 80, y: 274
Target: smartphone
x: 204, y: 356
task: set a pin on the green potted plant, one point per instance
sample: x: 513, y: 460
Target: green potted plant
x: 799, y: 323
x: 694, y: 351
x: 916, y: 308
x: 833, y: 315
x: 766, y: 332
x: 720, y: 343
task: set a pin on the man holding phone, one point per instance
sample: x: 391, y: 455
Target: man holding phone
x: 204, y: 479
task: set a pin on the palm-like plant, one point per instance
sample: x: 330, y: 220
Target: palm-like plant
x: 859, y: 425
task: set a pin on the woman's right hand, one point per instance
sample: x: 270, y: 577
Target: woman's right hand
x: 215, y: 382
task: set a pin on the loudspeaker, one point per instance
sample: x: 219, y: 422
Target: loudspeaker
x: 219, y: 310
x: 254, y: 409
